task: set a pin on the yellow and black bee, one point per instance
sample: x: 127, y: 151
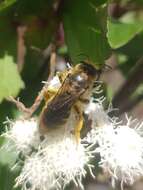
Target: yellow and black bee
x: 75, y: 91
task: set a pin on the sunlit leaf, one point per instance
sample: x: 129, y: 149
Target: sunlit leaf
x: 6, y: 3
x: 121, y: 33
x: 7, y: 156
x: 8, y: 159
x: 10, y: 83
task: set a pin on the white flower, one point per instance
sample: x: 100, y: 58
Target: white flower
x: 24, y: 134
x: 58, y: 161
x: 120, y: 146
x: 121, y: 152
x: 97, y: 114
x: 99, y: 118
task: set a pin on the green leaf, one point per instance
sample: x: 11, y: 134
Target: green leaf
x: 98, y: 3
x: 1, y: 140
x: 39, y: 34
x: 138, y: 2
x: 85, y: 28
x: 133, y: 51
x: 39, y: 19
x: 8, y: 34
x: 8, y: 159
x: 7, y: 178
x: 10, y: 83
x: 120, y: 33
x: 6, y: 3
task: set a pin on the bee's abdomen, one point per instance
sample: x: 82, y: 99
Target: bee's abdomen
x: 52, y: 118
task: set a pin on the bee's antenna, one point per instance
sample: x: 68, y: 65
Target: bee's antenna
x: 108, y: 67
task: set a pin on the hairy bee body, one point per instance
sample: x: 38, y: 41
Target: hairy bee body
x: 53, y: 117
x: 76, y: 85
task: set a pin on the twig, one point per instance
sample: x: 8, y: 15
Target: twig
x: 52, y: 65
x: 131, y: 104
x: 21, y: 49
x: 116, y: 9
x: 135, y: 78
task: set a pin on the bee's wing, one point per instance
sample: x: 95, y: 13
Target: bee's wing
x: 64, y: 98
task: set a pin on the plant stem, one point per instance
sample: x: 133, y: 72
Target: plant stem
x: 122, y: 99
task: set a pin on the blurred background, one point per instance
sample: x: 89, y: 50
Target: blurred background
x: 107, y: 32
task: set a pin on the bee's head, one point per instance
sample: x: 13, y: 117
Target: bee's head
x: 83, y: 75
x: 89, y: 69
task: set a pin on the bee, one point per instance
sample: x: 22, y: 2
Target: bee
x: 74, y: 92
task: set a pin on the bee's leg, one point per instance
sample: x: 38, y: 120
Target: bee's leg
x: 84, y: 100
x: 29, y: 111
x: 18, y: 104
x: 79, y: 124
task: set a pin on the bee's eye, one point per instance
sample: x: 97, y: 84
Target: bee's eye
x: 79, y: 78
x: 79, y: 81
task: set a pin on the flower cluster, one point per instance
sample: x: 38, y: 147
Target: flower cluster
x: 54, y: 160
x: 56, y: 165
x: 24, y: 134
x: 120, y: 145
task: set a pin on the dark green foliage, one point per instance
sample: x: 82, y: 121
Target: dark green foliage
x: 85, y: 30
